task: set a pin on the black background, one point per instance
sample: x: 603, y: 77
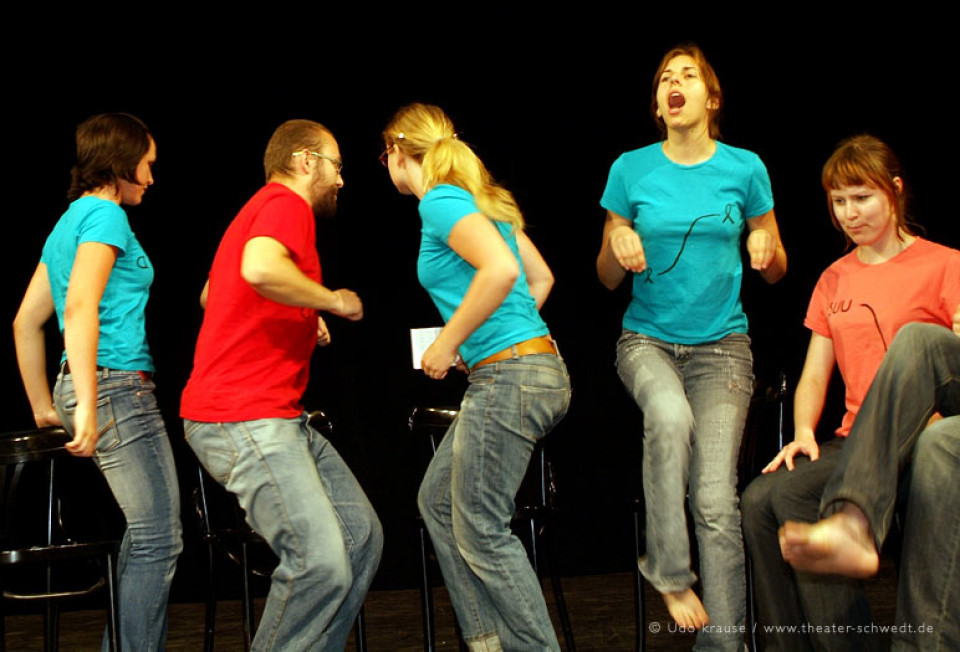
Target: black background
x: 548, y: 100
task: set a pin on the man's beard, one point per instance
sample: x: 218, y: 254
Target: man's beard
x: 324, y: 200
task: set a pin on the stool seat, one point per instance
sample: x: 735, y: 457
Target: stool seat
x: 62, y: 552
x: 33, y: 445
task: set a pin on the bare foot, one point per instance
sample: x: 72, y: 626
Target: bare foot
x: 685, y: 608
x: 839, y: 544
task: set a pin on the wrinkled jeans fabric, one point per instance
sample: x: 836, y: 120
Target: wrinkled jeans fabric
x: 134, y: 455
x: 299, y: 495
x: 694, y: 400
x: 467, y: 501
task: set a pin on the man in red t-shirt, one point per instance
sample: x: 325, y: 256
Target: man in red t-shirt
x: 241, y: 406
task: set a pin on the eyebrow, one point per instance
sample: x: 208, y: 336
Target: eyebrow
x: 666, y: 70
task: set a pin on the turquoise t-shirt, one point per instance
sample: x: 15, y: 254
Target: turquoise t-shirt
x: 690, y: 219
x: 446, y: 276
x: 123, y: 340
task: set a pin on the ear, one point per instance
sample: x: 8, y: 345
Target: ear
x: 713, y: 104
x: 303, y: 163
x: 898, y: 184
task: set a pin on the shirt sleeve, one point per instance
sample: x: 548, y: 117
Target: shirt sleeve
x: 951, y: 284
x: 288, y: 220
x: 816, y: 319
x: 614, y: 197
x: 442, y: 207
x: 107, y: 224
x: 760, y: 194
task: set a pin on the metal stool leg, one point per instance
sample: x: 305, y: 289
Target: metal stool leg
x: 426, y: 592
x: 113, y: 610
x: 210, y: 617
x: 249, y: 618
x: 640, y: 612
x: 360, y: 632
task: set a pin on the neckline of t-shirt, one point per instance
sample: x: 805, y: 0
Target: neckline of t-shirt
x: 896, y: 256
x: 690, y: 166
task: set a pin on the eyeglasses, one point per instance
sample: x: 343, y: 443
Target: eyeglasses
x: 337, y: 163
x: 386, y: 153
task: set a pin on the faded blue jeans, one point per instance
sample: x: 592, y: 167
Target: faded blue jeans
x: 467, y: 501
x: 134, y: 455
x: 694, y: 400
x: 298, y: 494
x: 920, y: 375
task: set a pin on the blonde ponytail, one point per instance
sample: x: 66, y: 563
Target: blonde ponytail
x: 424, y: 132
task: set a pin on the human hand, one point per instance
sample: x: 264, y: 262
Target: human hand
x: 762, y: 247
x: 437, y: 360
x: 350, y: 305
x: 85, y: 432
x: 956, y: 321
x: 323, y: 333
x: 47, y: 418
x: 627, y: 249
x: 805, y: 446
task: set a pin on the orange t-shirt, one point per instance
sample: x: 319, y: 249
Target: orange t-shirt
x: 861, y: 307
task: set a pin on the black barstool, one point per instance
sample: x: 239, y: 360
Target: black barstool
x: 536, y: 505
x: 224, y: 527
x: 50, y: 548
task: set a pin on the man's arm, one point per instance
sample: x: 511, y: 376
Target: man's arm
x: 269, y: 269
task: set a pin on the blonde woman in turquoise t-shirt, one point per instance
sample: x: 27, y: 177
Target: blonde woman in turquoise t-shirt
x: 488, y: 281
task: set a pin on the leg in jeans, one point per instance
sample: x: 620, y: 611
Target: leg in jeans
x: 323, y: 529
x: 928, y: 594
x: 719, y: 382
x: 785, y: 597
x: 135, y: 457
x: 467, y: 501
x: 694, y: 401
x: 649, y: 372
x: 920, y: 375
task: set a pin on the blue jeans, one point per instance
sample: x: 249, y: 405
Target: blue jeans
x: 298, y: 494
x: 694, y: 400
x: 920, y: 375
x: 134, y: 455
x: 467, y: 501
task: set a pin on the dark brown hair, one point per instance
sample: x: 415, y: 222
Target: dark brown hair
x: 110, y: 147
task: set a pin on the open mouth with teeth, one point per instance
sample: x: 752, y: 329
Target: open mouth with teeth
x: 676, y: 100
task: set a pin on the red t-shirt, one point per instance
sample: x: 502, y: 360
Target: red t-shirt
x: 253, y: 355
x: 861, y: 307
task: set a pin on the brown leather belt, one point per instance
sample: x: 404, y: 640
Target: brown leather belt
x: 542, y: 344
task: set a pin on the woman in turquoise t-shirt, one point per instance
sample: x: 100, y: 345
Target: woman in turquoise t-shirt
x: 488, y: 281
x: 676, y: 212
x: 94, y: 275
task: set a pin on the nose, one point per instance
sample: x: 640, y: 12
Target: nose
x: 339, y: 180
